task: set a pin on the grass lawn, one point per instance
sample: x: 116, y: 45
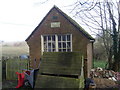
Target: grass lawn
x: 99, y: 63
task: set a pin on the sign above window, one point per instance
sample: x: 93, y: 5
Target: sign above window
x: 55, y: 24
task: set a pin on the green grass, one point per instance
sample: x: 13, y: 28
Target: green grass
x: 99, y: 63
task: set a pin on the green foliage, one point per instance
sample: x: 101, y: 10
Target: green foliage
x: 99, y: 63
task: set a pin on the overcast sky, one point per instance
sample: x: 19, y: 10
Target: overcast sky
x: 18, y: 18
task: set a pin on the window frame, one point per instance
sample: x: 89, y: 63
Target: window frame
x: 57, y: 49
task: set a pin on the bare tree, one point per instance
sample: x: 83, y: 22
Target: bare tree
x: 102, y: 18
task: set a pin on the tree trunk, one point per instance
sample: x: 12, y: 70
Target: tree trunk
x: 110, y: 60
x: 116, y: 65
x: 115, y: 40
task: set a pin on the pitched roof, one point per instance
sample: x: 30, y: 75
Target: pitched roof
x: 73, y: 22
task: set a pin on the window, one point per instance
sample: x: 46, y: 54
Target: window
x: 54, y: 17
x: 64, y: 43
x: 56, y: 43
x: 49, y: 43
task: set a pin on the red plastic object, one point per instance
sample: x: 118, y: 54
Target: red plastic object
x: 21, y: 77
x: 28, y: 72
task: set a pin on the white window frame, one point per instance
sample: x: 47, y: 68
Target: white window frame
x: 56, y: 43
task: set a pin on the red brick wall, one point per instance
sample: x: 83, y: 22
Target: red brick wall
x: 79, y: 42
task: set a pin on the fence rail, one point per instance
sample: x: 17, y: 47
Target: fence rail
x: 13, y: 66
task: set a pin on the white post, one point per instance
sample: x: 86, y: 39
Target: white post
x: 42, y: 45
x: 71, y: 42
x: 56, y: 43
x: 82, y: 66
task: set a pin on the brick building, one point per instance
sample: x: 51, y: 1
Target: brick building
x: 58, y: 32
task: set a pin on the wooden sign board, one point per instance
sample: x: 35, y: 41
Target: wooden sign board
x: 55, y: 24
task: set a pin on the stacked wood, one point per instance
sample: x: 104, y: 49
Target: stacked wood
x: 102, y: 73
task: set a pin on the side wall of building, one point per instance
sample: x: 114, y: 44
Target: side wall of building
x: 89, y: 57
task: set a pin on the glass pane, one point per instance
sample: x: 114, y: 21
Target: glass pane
x: 68, y: 37
x: 59, y: 38
x: 64, y: 37
x: 59, y: 45
x: 49, y: 45
x: 64, y: 45
x: 53, y: 38
x: 45, y: 38
x: 60, y: 50
x: 68, y: 44
x: 68, y: 50
x: 54, y: 17
x: 53, y: 45
x: 53, y: 50
x: 49, y: 50
x: 49, y: 38
x: 64, y: 50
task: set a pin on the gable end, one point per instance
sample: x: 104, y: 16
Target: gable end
x: 74, y: 23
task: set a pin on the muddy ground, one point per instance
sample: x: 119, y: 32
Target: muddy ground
x: 9, y: 84
x: 100, y: 83
x: 106, y: 83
